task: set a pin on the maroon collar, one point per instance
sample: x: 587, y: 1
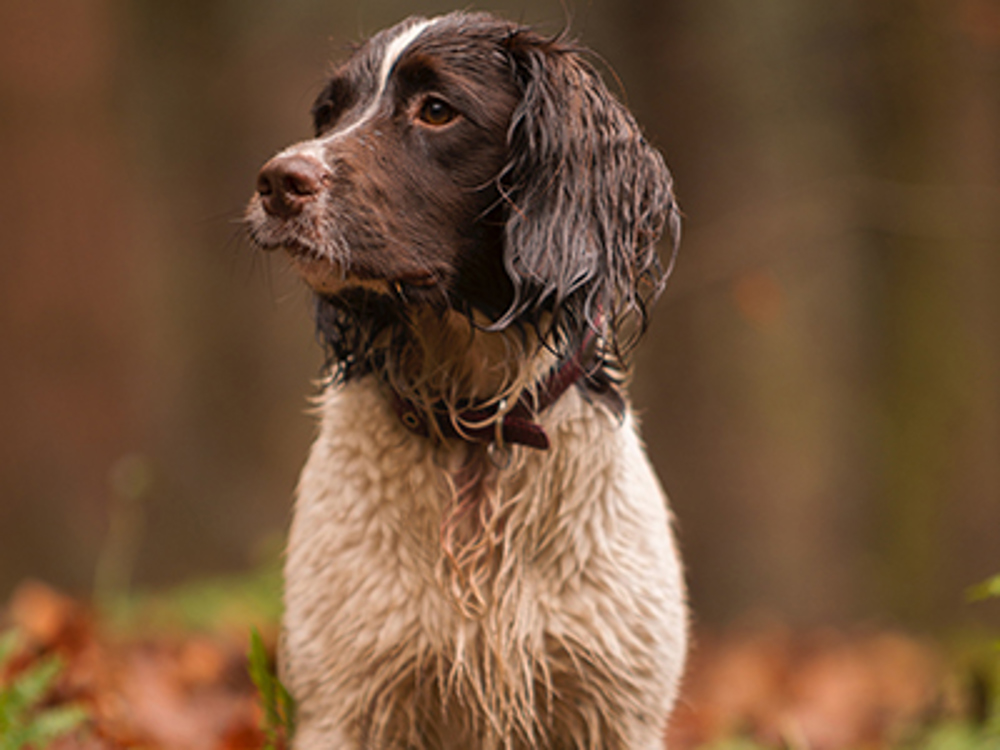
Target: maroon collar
x: 518, y: 426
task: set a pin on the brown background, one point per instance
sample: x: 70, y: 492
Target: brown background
x: 821, y: 388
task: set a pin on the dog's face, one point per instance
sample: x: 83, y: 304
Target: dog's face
x: 399, y: 186
x: 468, y: 163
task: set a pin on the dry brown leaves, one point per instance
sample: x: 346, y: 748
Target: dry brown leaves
x: 823, y: 690
x: 162, y: 693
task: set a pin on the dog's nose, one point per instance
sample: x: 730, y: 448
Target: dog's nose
x: 288, y: 182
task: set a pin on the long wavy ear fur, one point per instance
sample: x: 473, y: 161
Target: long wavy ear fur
x: 588, y: 198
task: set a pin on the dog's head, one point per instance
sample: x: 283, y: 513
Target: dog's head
x: 469, y: 164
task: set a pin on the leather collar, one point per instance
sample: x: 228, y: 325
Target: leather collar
x: 519, y: 425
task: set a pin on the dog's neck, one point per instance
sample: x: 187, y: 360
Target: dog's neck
x: 499, y: 422
x: 449, y: 376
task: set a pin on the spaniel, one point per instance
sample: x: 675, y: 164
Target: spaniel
x: 480, y: 555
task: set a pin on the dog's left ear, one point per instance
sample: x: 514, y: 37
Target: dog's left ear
x: 588, y: 197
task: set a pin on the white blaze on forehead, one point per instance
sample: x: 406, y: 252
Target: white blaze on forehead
x: 390, y: 55
x: 394, y: 49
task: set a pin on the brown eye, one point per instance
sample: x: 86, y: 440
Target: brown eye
x: 436, y: 112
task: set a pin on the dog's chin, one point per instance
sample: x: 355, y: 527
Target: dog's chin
x: 328, y: 277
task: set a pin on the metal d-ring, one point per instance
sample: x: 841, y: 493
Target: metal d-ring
x: 500, y: 454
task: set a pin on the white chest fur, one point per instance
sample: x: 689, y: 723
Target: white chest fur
x: 581, y: 642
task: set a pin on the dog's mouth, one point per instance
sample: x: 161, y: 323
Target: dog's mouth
x: 320, y: 272
x: 328, y: 276
x: 322, y: 267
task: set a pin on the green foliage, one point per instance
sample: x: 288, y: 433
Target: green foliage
x: 279, y: 706
x: 983, y: 734
x: 988, y: 589
x: 23, y: 720
x: 737, y: 743
x: 223, y: 602
x: 956, y: 736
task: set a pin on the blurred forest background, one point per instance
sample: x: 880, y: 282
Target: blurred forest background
x: 820, y: 389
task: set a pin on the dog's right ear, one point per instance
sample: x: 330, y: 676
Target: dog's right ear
x: 588, y: 197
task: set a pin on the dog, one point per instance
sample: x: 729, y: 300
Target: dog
x: 480, y: 554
